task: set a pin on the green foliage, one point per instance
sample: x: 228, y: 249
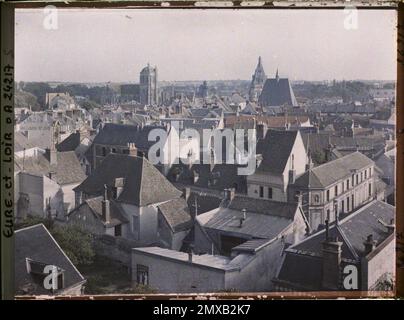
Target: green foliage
x: 89, y: 104
x: 76, y: 243
x: 139, y: 288
x: 31, y: 221
x: 318, y: 157
x: 347, y: 90
x: 24, y: 99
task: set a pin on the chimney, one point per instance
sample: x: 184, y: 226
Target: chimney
x: 190, y: 253
x: 186, y: 192
x: 229, y: 194
x: 106, y: 215
x: 299, y: 198
x: 292, y: 176
x: 132, y: 149
x: 335, y: 202
x: 331, y: 262
x: 327, y: 230
x: 261, y: 130
x: 369, y: 244
x: 309, y: 164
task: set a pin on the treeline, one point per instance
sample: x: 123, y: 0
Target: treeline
x: 93, y: 95
x: 347, y: 90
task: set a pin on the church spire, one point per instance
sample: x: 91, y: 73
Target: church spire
x: 277, y: 75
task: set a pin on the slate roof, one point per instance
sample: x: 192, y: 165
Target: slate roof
x: 244, y: 120
x: 36, y: 243
x: 205, y: 260
x: 205, y: 202
x: 143, y: 183
x: 176, y: 213
x: 220, y: 177
x: 277, y: 92
x: 319, y: 142
x: 121, y: 135
x: 95, y: 205
x: 302, y: 266
x: 275, y: 208
x: 275, y: 149
x: 21, y: 142
x: 67, y: 170
x: 265, y: 219
x: 70, y: 143
x: 333, y: 171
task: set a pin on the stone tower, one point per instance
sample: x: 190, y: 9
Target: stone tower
x: 148, y: 86
x: 257, y: 83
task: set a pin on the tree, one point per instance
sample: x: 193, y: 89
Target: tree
x: 318, y: 157
x: 76, y: 243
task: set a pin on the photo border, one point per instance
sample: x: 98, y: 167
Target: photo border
x: 7, y: 131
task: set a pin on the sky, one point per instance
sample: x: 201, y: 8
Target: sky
x: 100, y: 45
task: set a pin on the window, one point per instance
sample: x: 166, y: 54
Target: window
x: 361, y: 176
x: 328, y: 195
x: 357, y: 179
x: 142, y: 274
x: 353, y: 180
x: 366, y: 174
x: 370, y: 189
x: 316, y: 198
x: 370, y: 172
x: 113, y: 150
x: 293, y: 162
x: 269, y: 193
x: 336, y: 190
x: 118, y: 230
x: 104, y: 151
x: 261, y: 192
x: 347, y: 184
x: 328, y: 215
x: 343, y: 187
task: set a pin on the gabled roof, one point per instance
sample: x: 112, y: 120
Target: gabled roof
x: 176, y: 213
x: 121, y: 135
x: 276, y: 148
x: 143, y: 183
x: 37, y: 244
x: 277, y: 92
x: 66, y: 171
x: 302, y: 266
x: 333, y: 171
x: 21, y: 142
x: 95, y: 205
x: 265, y: 219
x: 70, y: 143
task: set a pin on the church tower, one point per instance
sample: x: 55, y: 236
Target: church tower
x: 148, y: 86
x: 257, y: 83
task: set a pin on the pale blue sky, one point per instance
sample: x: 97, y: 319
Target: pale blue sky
x: 113, y: 45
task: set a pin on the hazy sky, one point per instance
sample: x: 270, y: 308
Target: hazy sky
x: 113, y: 45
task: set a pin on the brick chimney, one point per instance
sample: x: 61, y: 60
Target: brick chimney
x: 106, y: 214
x: 331, y: 262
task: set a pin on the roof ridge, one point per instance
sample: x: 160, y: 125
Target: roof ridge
x: 346, y: 240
